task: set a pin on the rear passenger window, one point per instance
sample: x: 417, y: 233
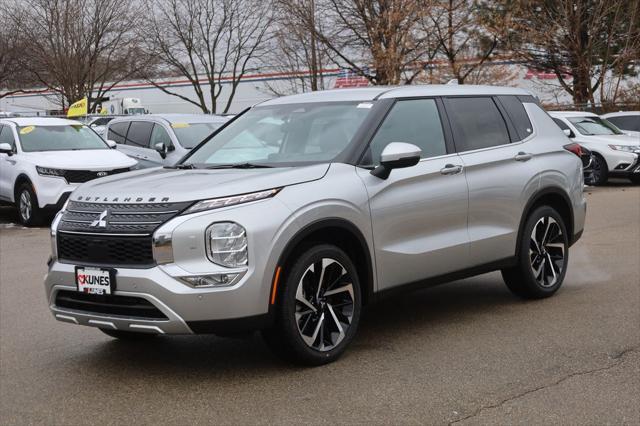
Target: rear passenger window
x: 139, y: 134
x: 518, y: 115
x: 413, y: 121
x: 118, y: 131
x: 477, y: 123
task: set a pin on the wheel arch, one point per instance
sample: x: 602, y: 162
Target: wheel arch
x: 556, y: 198
x: 20, y: 180
x: 341, y: 233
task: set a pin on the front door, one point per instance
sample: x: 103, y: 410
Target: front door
x: 418, y: 214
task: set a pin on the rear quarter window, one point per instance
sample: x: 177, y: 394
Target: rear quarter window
x: 518, y: 116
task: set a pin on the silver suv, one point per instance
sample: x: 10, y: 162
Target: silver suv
x: 304, y: 209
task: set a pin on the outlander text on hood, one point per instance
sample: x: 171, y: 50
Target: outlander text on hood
x: 304, y: 209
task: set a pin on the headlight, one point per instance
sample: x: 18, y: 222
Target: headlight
x: 626, y: 148
x: 226, y: 244
x: 48, y: 171
x: 216, y: 203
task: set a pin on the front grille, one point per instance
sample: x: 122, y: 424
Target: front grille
x: 105, y: 250
x: 119, y: 218
x: 125, y: 306
x: 81, y: 176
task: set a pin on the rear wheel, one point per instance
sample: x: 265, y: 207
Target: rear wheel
x: 128, y: 335
x: 27, y: 203
x: 600, y: 171
x: 319, y: 307
x: 543, y: 256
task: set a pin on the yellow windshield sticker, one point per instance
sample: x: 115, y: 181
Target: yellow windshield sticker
x: 179, y: 125
x: 27, y: 130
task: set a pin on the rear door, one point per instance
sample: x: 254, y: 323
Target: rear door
x: 137, y: 144
x: 501, y: 171
x: 419, y: 213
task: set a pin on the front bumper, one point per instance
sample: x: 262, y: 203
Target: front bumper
x: 187, y: 310
x: 52, y: 192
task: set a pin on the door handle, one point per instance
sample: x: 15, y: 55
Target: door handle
x: 523, y: 156
x: 451, y: 169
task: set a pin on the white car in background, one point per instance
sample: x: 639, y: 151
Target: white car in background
x: 43, y: 159
x: 614, y: 153
x: 627, y: 121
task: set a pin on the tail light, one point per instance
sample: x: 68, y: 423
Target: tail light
x: 575, y: 148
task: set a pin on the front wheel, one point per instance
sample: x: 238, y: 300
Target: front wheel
x: 27, y: 202
x: 319, y: 308
x: 599, y: 172
x: 543, y: 256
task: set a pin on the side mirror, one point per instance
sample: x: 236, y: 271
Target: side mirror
x: 569, y: 133
x: 112, y: 144
x: 162, y: 149
x: 396, y: 155
x: 5, y: 148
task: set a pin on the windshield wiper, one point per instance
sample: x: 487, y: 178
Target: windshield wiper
x: 239, y: 166
x: 182, y: 166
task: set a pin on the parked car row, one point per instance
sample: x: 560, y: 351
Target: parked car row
x: 43, y: 159
x: 615, y: 153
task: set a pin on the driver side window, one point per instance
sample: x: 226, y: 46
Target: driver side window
x: 6, y: 136
x: 414, y: 121
x: 159, y: 135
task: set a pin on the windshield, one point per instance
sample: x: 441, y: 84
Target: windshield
x: 594, y: 126
x: 59, y: 138
x: 285, y: 135
x: 191, y: 134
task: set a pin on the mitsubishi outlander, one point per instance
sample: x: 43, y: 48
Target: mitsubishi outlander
x: 302, y: 210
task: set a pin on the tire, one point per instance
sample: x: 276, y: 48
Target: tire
x: 310, y: 329
x: 543, y: 256
x: 600, y: 171
x: 635, y: 179
x: 128, y: 335
x: 29, y: 213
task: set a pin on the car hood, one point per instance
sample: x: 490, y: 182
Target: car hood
x: 175, y: 185
x: 88, y: 159
x: 611, y: 140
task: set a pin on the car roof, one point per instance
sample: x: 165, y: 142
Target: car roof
x: 621, y: 114
x: 173, y: 118
x: 40, y: 121
x: 385, y: 92
x: 572, y: 114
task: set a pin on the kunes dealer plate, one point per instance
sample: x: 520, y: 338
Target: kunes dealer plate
x: 95, y: 280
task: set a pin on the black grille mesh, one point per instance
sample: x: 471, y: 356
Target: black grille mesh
x: 127, y: 306
x: 105, y: 250
x: 81, y: 176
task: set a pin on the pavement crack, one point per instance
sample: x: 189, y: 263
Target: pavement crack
x: 617, y: 357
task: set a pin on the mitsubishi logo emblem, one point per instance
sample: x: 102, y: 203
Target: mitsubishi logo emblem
x: 101, y: 221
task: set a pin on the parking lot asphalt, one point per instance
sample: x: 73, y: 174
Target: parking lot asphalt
x: 462, y: 353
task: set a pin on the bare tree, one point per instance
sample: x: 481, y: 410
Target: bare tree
x: 12, y: 80
x: 78, y: 48
x: 581, y: 41
x: 378, y: 39
x: 209, y: 42
x: 297, y: 51
x: 462, y: 39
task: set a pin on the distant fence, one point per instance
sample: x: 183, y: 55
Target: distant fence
x: 599, y: 108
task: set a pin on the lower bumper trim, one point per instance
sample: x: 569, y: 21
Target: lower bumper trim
x: 232, y: 326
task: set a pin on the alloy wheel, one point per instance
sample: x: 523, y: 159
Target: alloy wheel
x: 547, y: 251
x: 324, y: 304
x: 25, y: 207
